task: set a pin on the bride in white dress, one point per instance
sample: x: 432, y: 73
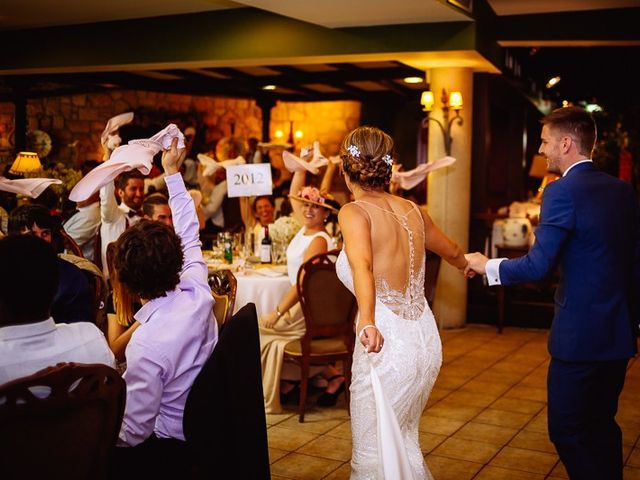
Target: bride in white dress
x: 398, y: 355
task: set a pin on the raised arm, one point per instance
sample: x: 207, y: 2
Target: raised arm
x: 356, y: 231
x: 439, y: 243
x: 185, y: 219
x: 327, y: 179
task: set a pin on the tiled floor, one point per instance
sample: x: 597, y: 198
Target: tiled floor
x: 485, y: 420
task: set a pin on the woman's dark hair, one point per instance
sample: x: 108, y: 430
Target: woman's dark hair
x: 149, y: 259
x: 25, y: 216
x: 366, y: 154
x: 28, y: 278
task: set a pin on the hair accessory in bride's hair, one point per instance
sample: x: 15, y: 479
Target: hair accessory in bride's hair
x: 354, y: 151
x: 387, y: 159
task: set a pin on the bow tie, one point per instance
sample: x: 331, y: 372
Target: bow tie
x: 134, y: 213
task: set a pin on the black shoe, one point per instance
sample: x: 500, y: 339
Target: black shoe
x: 330, y: 399
x: 292, y: 397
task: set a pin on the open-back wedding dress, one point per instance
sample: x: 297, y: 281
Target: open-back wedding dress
x: 390, y: 389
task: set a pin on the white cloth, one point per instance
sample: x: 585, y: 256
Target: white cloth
x: 297, y: 249
x: 409, y: 179
x: 264, y: 292
x: 27, y: 349
x: 137, y: 154
x: 114, y: 123
x: 83, y: 227
x: 211, y: 166
x: 310, y: 160
x: 213, y: 209
x: 31, y: 187
x: 392, y: 387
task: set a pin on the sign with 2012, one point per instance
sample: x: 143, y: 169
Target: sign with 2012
x: 249, y: 180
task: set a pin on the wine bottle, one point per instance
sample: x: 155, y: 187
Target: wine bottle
x: 265, y: 247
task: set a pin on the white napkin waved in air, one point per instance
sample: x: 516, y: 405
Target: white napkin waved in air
x: 211, y: 166
x: 137, y: 154
x: 408, y: 180
x: 310, y: 159
x: 109, y: 135
x: 31, y: 187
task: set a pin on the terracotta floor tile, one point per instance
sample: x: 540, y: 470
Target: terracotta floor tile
x: 342, y: 473
x: 451, y: 382
x: 443, y: 468
x: 527, y: 393
x: 288, y: 439
x: 493, y: 376
x: 276, y: 454
x: 314, y: 422
x: 525, y: 460
x: 530, y: 440
x: 503, y: 418
x: 476, y: 399
x: 274, y: 419
x: 630, y: 473
x: 559, y: 471
x: 483, y: 432
x: 487, y: 388
x: 498, y: 473
x: 634, y: 458
x: 304, y: 467
x: 538, y: 423
x: 454, y: 411
x: 518, y: 405
x: 332, y: 448
x: 439, y: 425
x: 478, y: 452
x: 429, y: 441
x: 341, y: 431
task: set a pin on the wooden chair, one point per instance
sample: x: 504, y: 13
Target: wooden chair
x: 60, y: 422
x: 223, y: 288
x: 224, y: 419
x: 432, y: 268
x: 70, y: 244
x: 329, y: 310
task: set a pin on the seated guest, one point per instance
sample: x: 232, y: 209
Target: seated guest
x: 73, y: 301
x: 83, y: 225
x: 156, y: 207
x: 177, y: 331
x: 261, y: 215
x: 29, y: 339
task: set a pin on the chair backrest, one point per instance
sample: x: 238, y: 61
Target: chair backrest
x: 70, y: 244
x: 329, y: 308
x: 60, y: 422
x: 432, y: 268
x: 224, y: 417
x: 223, y: 288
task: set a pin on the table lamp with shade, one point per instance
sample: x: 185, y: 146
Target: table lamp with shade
x: 538, y: 169
x: 25, y: 164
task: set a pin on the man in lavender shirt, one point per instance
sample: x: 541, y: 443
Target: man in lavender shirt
x: 177, y: 330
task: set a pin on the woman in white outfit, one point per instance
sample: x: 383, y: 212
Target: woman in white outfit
x: 398, y: 355
x: 286, y: 323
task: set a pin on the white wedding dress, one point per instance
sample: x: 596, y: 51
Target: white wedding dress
x: 389, y: 390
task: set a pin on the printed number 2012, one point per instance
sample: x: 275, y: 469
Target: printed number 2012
x: 247, y: 178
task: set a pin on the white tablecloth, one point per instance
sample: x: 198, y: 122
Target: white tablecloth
x: 265, y: 292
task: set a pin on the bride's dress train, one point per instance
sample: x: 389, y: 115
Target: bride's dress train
x: 389, y: 390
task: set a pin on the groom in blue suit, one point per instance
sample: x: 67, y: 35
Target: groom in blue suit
x: 590, y: 229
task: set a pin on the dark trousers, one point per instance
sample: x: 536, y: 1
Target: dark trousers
x: 583, y: 401
x: 153, y: 458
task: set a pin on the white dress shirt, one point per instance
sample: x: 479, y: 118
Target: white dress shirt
x: 83, y: 227
x: 29, y: 348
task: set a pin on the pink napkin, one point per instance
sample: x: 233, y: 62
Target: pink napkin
x: 298, y: 164
x: 136, y: 154
x: 211, y: 166
x: 31, y: 187
x: 109, y: 135
x: 408, y: 180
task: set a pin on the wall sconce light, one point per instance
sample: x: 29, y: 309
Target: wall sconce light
x: 279, y: 134
x: 299, y: 134
x: 451, y: 101
x: 26, y: 163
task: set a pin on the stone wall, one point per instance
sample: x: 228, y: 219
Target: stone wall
x: 75, y: 122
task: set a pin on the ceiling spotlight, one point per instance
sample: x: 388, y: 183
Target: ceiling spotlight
x: 553, y: 81
x: 269, y: 87
x: 413, y: 80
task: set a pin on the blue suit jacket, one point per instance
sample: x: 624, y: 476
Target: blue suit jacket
x: 589, y: 228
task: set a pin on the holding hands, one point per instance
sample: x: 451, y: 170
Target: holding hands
x: 476, y: 264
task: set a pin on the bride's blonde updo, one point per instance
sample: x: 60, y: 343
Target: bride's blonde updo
x: 367, y: 157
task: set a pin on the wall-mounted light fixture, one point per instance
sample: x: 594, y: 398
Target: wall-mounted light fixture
x: 26, y: 163
x: 451, y: 101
